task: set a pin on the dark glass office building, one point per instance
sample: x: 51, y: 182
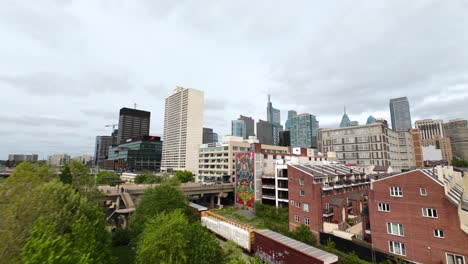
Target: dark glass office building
x: 400, y: 114
x: 139, y: 154
x: 133, y: 123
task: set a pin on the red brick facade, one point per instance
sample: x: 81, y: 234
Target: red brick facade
x: 316, y: 198
x: 418, y: 231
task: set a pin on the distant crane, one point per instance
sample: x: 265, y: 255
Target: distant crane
x: 113, y: 126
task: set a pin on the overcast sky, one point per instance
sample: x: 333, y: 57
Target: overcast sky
x: 67, y: 67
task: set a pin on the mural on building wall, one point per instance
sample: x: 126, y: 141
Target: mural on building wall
x: 245, y: 179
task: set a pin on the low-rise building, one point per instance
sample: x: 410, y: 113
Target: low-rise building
x: 58, y: 160
x: 327, y: 198
x: 421, y: 215
x: 136, y: 155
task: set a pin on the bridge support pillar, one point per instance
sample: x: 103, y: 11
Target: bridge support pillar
x: 212, y: 201
x: 220, y: 206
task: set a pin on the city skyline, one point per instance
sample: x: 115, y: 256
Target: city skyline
x: 61, y: 94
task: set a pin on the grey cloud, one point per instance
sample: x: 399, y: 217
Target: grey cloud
x: 100, y: 113
x: 39, y: 121
x: 215, y: 104
x: 56, y: 84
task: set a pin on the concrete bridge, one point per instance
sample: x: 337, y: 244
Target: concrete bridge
x: 123, y: 204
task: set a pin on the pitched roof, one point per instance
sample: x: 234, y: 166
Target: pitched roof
x: 337, y: 201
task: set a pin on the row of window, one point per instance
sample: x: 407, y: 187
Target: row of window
x: 305, y: 206
x: 396, y: 191
x: 297, y: 218
x: 399, y: 248
x: 426, y: 212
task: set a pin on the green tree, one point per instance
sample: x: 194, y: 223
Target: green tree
x: 303, y: 234
x: 106, y: 177
x: 164, y: 240
x: 34, y: 192
x: 185, y: 176
x: 65, y: 174
x: 202, y: 246
x: 163, y: 198
x: 148, y: 177
x: 459, y: 163
x: 232, y: 251
x: 81, y: 178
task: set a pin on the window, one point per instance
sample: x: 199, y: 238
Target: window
x: 384, y: 207
x: 429, y: 212
x: 301, y: 181
x: 306, y: 207
x: 395, y: 229
x: 292, y: 202
x: 297, y: 218
x: 455, y: 259
x: 265, y: 156
x: 396, y: 191
x: 423, y: 191
x: 302, y: 193
x: 439, y: 233
x: 397, y: 248
x: 298, y: 204
x: 306, y: 221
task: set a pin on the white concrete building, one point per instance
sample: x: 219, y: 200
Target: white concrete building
x: 183, y: 130
x: 58, y: 160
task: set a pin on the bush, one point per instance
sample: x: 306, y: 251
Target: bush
x: 121, y: 237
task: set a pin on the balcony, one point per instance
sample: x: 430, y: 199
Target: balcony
x: 327, y: 187
x: 350, y: 205
x: 338, y: 185
x: 269, y: 197
x: 328, y: 212
x: 268, y: 186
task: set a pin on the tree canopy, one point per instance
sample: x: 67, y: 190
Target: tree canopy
x: 106, y: 177
x: 303, y: 234
x: 163, y: 198
x: 42, y: 218
x: 185, y: 176
x: 170, y: 238
x: 459, y: 163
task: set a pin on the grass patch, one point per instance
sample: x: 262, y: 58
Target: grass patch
x: 123, y: 254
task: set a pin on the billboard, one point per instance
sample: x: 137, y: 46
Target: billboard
x: 245, y: 179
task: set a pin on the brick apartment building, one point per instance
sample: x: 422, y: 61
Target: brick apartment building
x: 326, y: 197
x: 421, y: 215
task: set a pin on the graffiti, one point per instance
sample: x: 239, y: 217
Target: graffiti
x: 245, y: 180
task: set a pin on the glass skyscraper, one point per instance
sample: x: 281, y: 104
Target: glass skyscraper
x: 303, y: 131
x: 274, y: 118
x: 400, y: 114
x: 238, y: 128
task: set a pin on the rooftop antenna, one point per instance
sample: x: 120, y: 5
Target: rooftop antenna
x: 135, y: 105
x: 269, y: 97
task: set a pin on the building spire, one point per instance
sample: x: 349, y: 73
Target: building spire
x: 345, y: 109
x: 269, y: 98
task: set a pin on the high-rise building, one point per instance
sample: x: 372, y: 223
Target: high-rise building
x: 373, y: 144
x: 265, y: 132
x: 432, y: 134
x: 457, y: 131
x: 208, y: 135
x: 273, y: 114
x: 238, y: 128
x: 345, y: 121
x: 285, y: 138
x: 101, y: 148
x: 418, y: 155
x: 249, y: 125
x: 133, y: 123
x: 303, y: 131
x: 183, y: 130
x: 274, y: 117
x: 406, y: 152
x: 215, y: 138
x: 400, y: 114
x: 291, y: 113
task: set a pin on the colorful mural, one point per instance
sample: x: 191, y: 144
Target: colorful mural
x: 245, y: 179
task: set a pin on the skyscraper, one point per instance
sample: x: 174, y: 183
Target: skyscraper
x: 183, y: 130
x: 345, y: 121
x: 274, y: 117
x: 101, y: 148
x: 238, y: 128
x: 265, y: 132
x: 303, y: 131
x: 133, y: 123
x: 400, y: 114
x: 249, y: 125
x: 291, y: 113
x: 273, y: 114
x: 208, y: 135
